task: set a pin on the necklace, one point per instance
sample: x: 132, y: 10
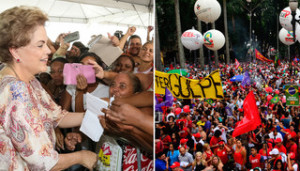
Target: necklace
x: 14, y: 72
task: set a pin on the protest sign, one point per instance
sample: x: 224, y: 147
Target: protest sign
x: 292, y: 95
x: 209, y: 87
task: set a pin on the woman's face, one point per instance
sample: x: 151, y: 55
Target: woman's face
x: 57, y: 72
x: 279, y: 165
x: 239, y: 143
x: 146, y: 52
x: 171, y: 148
x: 34, y: 56
x: 215, y: 160
x: 121, y: 86
x: 124, y: 64
x: 198, y: 156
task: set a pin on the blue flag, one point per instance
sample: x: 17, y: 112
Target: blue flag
x: 246, y: 80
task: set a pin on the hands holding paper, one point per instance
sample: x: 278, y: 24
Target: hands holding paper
x: 125, y: 120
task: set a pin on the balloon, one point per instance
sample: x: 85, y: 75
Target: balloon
x: 214, y: 39
x: 270, y: 89
x: 186, y: 108
x: 207, y: 11
x: 286, y: 37
x: 269, y: 97
x: 178, y: 111
x: 277, y: 92
x: 285, y: 18
x: 192, y: 39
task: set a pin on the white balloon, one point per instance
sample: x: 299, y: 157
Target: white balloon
x: 192, y: 39
x: 207, y: 10
x: 286, y: 37
x: 285, y: 18
x: 214, y: 39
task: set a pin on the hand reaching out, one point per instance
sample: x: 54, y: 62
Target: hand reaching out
x: 123, y: 113
x: 150, y: 28
x: 72, y: 139
x: 131, y: 31
x: 115, y: 41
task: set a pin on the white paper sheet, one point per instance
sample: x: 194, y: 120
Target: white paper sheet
x: 91, y: 126
x: 95, y: 104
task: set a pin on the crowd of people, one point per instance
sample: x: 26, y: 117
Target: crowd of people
x: 196, y: 134
x: 40, y: 115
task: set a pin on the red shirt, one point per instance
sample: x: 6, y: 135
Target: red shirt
x: 166, y: 141
x: 208, y: 156
x: 281, y: 149
x: 292, y: 148
x: 214, y: 140
x: 255, y: 161
x: 238, y: 157
x: 223, y: 155
x: 293, y: 134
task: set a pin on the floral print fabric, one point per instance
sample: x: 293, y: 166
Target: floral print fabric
x: 28, y: 117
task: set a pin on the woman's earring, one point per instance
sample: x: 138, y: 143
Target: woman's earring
x: 18, y: 60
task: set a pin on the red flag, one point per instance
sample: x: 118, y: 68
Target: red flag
x: 251, y: 117
x: 237, y: 64
x: 259, y: 56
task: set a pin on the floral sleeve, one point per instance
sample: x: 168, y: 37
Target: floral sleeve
x: 54, y: 111
x: 26, y: 125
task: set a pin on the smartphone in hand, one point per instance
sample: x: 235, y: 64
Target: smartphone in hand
x: 71, y: 37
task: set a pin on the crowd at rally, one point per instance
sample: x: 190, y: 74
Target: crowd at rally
x: 36, y: 146
x: 197, y: 134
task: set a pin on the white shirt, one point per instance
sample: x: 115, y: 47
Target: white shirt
x: 271, y: 135
x: 101, y: 91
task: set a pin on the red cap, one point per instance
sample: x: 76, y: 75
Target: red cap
x: 278, y: 140
x: 174, y: 165
x: 183, y: 140
x: 221, y: 142
x: 197, y: 135
x: 292, y: 156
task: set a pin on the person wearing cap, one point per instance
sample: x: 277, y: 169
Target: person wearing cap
x: 197, y: 140
x: 161, y: 163
x: 279, y: 146
x: 255, y: 159
x: 291, y: 146
x: 176, y: 167
x: 185, y: 159
x: 274, y: 157
x: 222, y: 151
x: 292, y: 162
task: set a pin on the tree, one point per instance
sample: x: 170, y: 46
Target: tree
x: 178, y: 28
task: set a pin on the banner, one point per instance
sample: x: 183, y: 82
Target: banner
x: 259, y: 56
x: 292, y: 95
x: 209, y: 87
